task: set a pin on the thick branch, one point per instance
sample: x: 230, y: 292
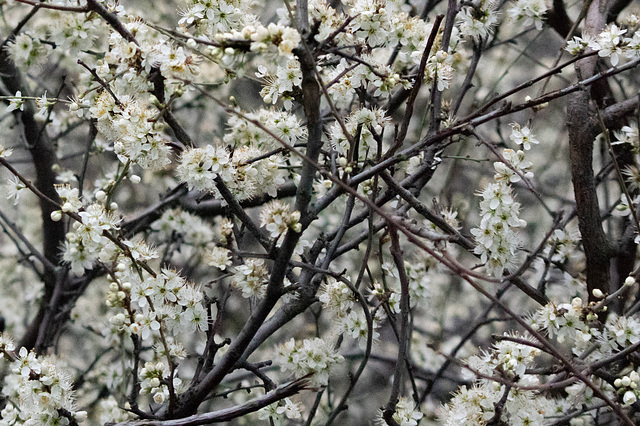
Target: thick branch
x: 594, y: 241
x: 231, y: 413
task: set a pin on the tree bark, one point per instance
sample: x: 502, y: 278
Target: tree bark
x: 594, y: 241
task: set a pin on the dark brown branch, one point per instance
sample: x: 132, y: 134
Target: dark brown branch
x: 396, y: 253
x: 191, y: 399
x: 227, y: 414
x: 614, y: 115
x: 399, y: 139
x: 558, y: 19
x: 594, y: 241
x: 241, y: 214
x: 217, y: 207
x: 43, y: 5
x: 436, y: 98
x: 43, y: 157
x: 112, y: 19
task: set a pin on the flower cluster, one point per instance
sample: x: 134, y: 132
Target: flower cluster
x: 242, y: 132
x: 507, y: 358
x: 609, y: 44
x: 479, y: 21
x: 153, y: 380
x: 564, y: 321
x: 572, y: 324
x: 244, y: 178
x: 280, y: 411
x: 528, y: 12
x: 339, y: 301
x: 44, y: 391
x: 27, y: 50
x: 563, y: 243
x: 315, y: 356
x: 178, y: 224
x: 371, y: 124
x: 69, y: 197
x: 133, y: 128
x: 376, y: 76
x: 476, y: 405
x: 354, y: 324
x: 628, y: 386
x: 372, y: 21
x: 277, y: 218
x: 148, y: 304
x: 199, y: 166
x: 336, y: 297
x: 88, y: 242
x: 110, y: 411
x: 275, y: 39
x: 251, y: 278
x: 440, y: 66
x: 514, y: 168
x: 76, y: 32
x: 497, y: 238
x: 212, y: 17
x: 282, y: 83
x: 406, y: 413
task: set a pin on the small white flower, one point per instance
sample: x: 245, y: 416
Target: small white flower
x: 5, y: 152
x: 629, y: 397
x: 16, y: 102
x: 218, y: 257
x: 14, y: 188
x: 522, y: 136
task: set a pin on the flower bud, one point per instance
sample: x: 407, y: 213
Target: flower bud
x: 56, y: 216
x: 118, y: 319
x: 629, y: 397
